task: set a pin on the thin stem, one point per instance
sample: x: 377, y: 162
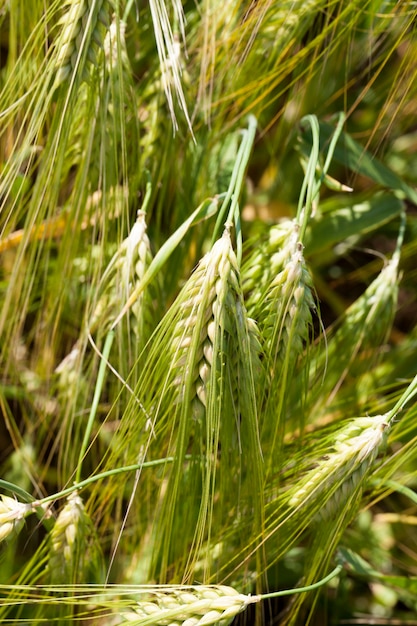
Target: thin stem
x: 235, y: 185
x: 308, y: 188
x: 113, y: 589
x: 77, y: 486
x: 400, y: 238
x: 290, y: 592
x: 45, y: 515
x: 127, y: 10
x: 333, y: 142
x: 221, y: 218
x: 311, y: 187
x: 241, y: 166
x: 403, y: 489
x: 408, y: 394
x: 94, y: 406
x: 148, y: 193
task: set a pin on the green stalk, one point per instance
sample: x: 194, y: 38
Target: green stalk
x: 403, y: 489
x: 235, y: 187
x: 311, y: 186
x: 94, y: 406
x: 77, y: 486
x: 408, y: 394
x: 290, y: 592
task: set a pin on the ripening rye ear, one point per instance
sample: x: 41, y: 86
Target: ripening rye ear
x: 279, y: 290
x: 82, y: 27
x: 193, y: 606
x: 203, y: 363
x: 74, y: 552
x: 344, y: 469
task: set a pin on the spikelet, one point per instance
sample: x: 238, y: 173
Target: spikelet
x: 82, y: 29
x: 288, y: 304
x: 199, y: 302
x: 112, y: 51
x: 342, y: 471
x: 190, y: 606
x: 255, y: 350
x: 279, y: 293
x: 119, y: 116
x: 265, y: 261
x: 281, y: 300
x: 126, y: 268
x: 12, y: 514
x: 211, y: 407
x: 124, y: 271
x: 144, y: 307
x: 73, y: 553
x: 211, y: 306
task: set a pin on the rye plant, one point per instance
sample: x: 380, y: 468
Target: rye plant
x: 207, y: 276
